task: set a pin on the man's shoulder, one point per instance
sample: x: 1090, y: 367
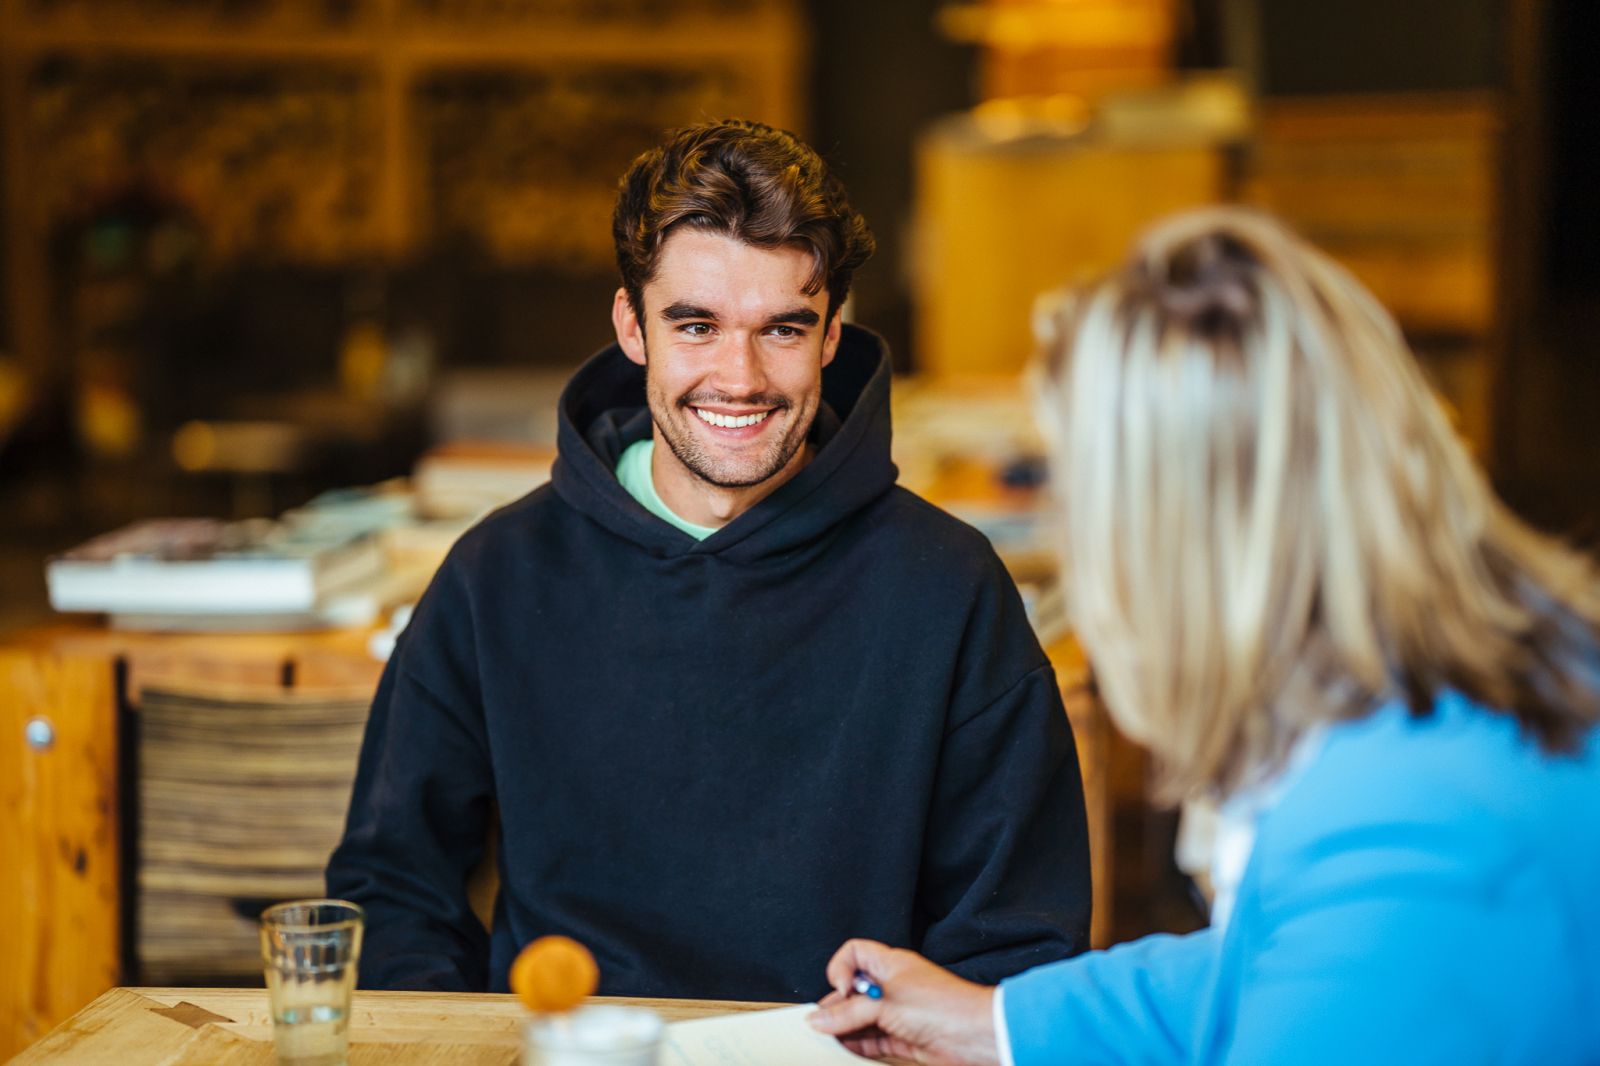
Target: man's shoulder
x: 514, y: 526
x: 912, y: 524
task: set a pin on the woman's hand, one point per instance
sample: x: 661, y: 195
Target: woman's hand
x: 926, y: 1014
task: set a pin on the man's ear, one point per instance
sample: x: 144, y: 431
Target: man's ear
x: 630, y: 331
x: 830, y: 339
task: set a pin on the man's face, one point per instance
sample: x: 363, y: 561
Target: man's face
x: 733, y: 352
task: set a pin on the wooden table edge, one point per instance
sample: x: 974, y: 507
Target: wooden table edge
x: 245, y: 1010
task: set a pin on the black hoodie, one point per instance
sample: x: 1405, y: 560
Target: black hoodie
x: 714, y: 761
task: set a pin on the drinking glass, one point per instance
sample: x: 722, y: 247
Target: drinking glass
x: 310, y: 948
x: 593, y: 1036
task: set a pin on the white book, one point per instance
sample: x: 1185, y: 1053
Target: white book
x: 201, y: 565
x: 470, y: 478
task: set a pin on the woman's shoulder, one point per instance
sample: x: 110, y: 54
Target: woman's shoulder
x: 1455, y: 750
x: 1460, y: 785
x: 1432, y: 862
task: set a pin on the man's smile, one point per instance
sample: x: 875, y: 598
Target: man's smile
x: 727, y: 419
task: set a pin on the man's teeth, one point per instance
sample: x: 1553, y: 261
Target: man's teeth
x: 730, y: 421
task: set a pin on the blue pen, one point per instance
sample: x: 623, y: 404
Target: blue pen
x: 866, y: 986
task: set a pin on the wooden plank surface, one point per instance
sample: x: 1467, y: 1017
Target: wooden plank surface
x: 59, y: 940
x: 333, y: 659
x: 190, y: 1026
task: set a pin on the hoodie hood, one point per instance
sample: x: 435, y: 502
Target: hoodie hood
x: 603, y: 410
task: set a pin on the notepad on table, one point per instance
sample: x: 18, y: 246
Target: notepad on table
x: 757, y: 1038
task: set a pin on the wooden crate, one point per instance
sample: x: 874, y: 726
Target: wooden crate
x: 242, y: 797
x: 1403, y: 190
x: 1400, y: 189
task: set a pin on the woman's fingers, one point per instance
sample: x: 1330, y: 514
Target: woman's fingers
x: 925, y: 1013
x: 868, y: 956
x: 871, y: 1045
x: 848, y: 1015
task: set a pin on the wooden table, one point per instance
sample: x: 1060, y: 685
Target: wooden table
x: 233, y: 1027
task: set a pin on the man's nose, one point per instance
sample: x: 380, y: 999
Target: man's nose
x: 738, y: 370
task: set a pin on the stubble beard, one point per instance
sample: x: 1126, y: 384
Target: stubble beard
x: 672, y: 416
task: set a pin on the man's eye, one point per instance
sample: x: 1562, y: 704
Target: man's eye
x: 785, y: 332
x: 695, y: 329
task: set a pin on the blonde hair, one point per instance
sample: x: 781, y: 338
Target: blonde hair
x: 1268, y: 521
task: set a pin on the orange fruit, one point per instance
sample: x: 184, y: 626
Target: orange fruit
x: 554, y: 973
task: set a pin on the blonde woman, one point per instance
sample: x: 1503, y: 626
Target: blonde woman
x: 1300, y: 593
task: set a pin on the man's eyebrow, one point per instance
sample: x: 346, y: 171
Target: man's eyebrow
x: 687, y: 312
x: 684, y: 312
x: 800, y: 316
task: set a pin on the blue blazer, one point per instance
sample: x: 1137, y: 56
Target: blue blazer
x: 1426, y: 891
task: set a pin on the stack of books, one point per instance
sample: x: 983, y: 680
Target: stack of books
x: 466, y: 479
x: 341, y: 560
x: 204, y: 573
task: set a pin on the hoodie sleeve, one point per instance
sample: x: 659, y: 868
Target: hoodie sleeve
x: 1005, y: 881
x: 420, y: 810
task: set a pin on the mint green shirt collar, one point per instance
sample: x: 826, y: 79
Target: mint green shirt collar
x: 633, y: 470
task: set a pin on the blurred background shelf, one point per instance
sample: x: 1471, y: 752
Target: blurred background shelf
x: 214, y: 209
x: 211, y: 206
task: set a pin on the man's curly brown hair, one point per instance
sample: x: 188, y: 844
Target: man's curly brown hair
x: 748, y: 181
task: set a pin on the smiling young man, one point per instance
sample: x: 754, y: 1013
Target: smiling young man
x: 733, y: 694
x: 734, y: 376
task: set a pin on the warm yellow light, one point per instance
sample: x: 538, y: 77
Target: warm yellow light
x: 194, y: 446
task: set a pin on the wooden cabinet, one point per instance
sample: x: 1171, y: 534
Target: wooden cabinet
x: 1003, y: 216
x: 59, y: 821
x: 63, y: 801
